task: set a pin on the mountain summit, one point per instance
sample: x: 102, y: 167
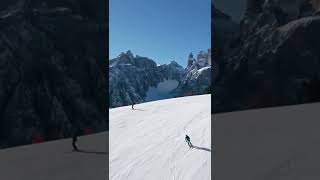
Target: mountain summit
x: 139, y: 79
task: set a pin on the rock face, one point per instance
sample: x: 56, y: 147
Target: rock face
x: 276, y: 62
x: 52, y: 69
x: 197, y: 77
x: 131, y: 78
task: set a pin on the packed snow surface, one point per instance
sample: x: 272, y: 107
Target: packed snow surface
x: 148, y: 142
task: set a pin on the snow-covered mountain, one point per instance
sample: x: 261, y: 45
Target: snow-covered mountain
x: 130, y: 78
x: 148, y: 143
x: 139, y: 79
x: 198, y: 75
x: 274, y: 62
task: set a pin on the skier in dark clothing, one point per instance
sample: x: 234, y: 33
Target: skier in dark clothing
x: 188, y: 141
x: 74, y: 140
x: 132, y: 104
x: 76, y: 133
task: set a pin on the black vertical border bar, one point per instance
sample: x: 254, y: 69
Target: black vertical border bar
x: 107, y: 80
x: 213, y: 155
x: 105, y: 53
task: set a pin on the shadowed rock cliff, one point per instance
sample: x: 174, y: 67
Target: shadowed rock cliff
x: 52, y: 69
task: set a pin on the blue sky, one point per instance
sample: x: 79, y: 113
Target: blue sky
x: 162, y: 30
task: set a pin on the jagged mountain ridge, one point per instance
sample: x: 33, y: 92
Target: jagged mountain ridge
x: 131, y: 78
x: 274, y: 62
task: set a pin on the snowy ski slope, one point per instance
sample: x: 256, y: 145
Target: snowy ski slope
x: 148, y: 143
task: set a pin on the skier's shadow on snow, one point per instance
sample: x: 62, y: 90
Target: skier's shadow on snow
x: 138, y: 109
x: 91, y: 152
x: 201, y: 148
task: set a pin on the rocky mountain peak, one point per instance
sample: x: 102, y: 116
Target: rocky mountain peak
x: 129, y: 54
x: 191, y: 61
x: 132, y: 82
x: 174, y: 63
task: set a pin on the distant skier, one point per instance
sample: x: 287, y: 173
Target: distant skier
x: 132, y: 104
x: 74, y: 140
x: 75, y: 135
x: 188, y: 141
